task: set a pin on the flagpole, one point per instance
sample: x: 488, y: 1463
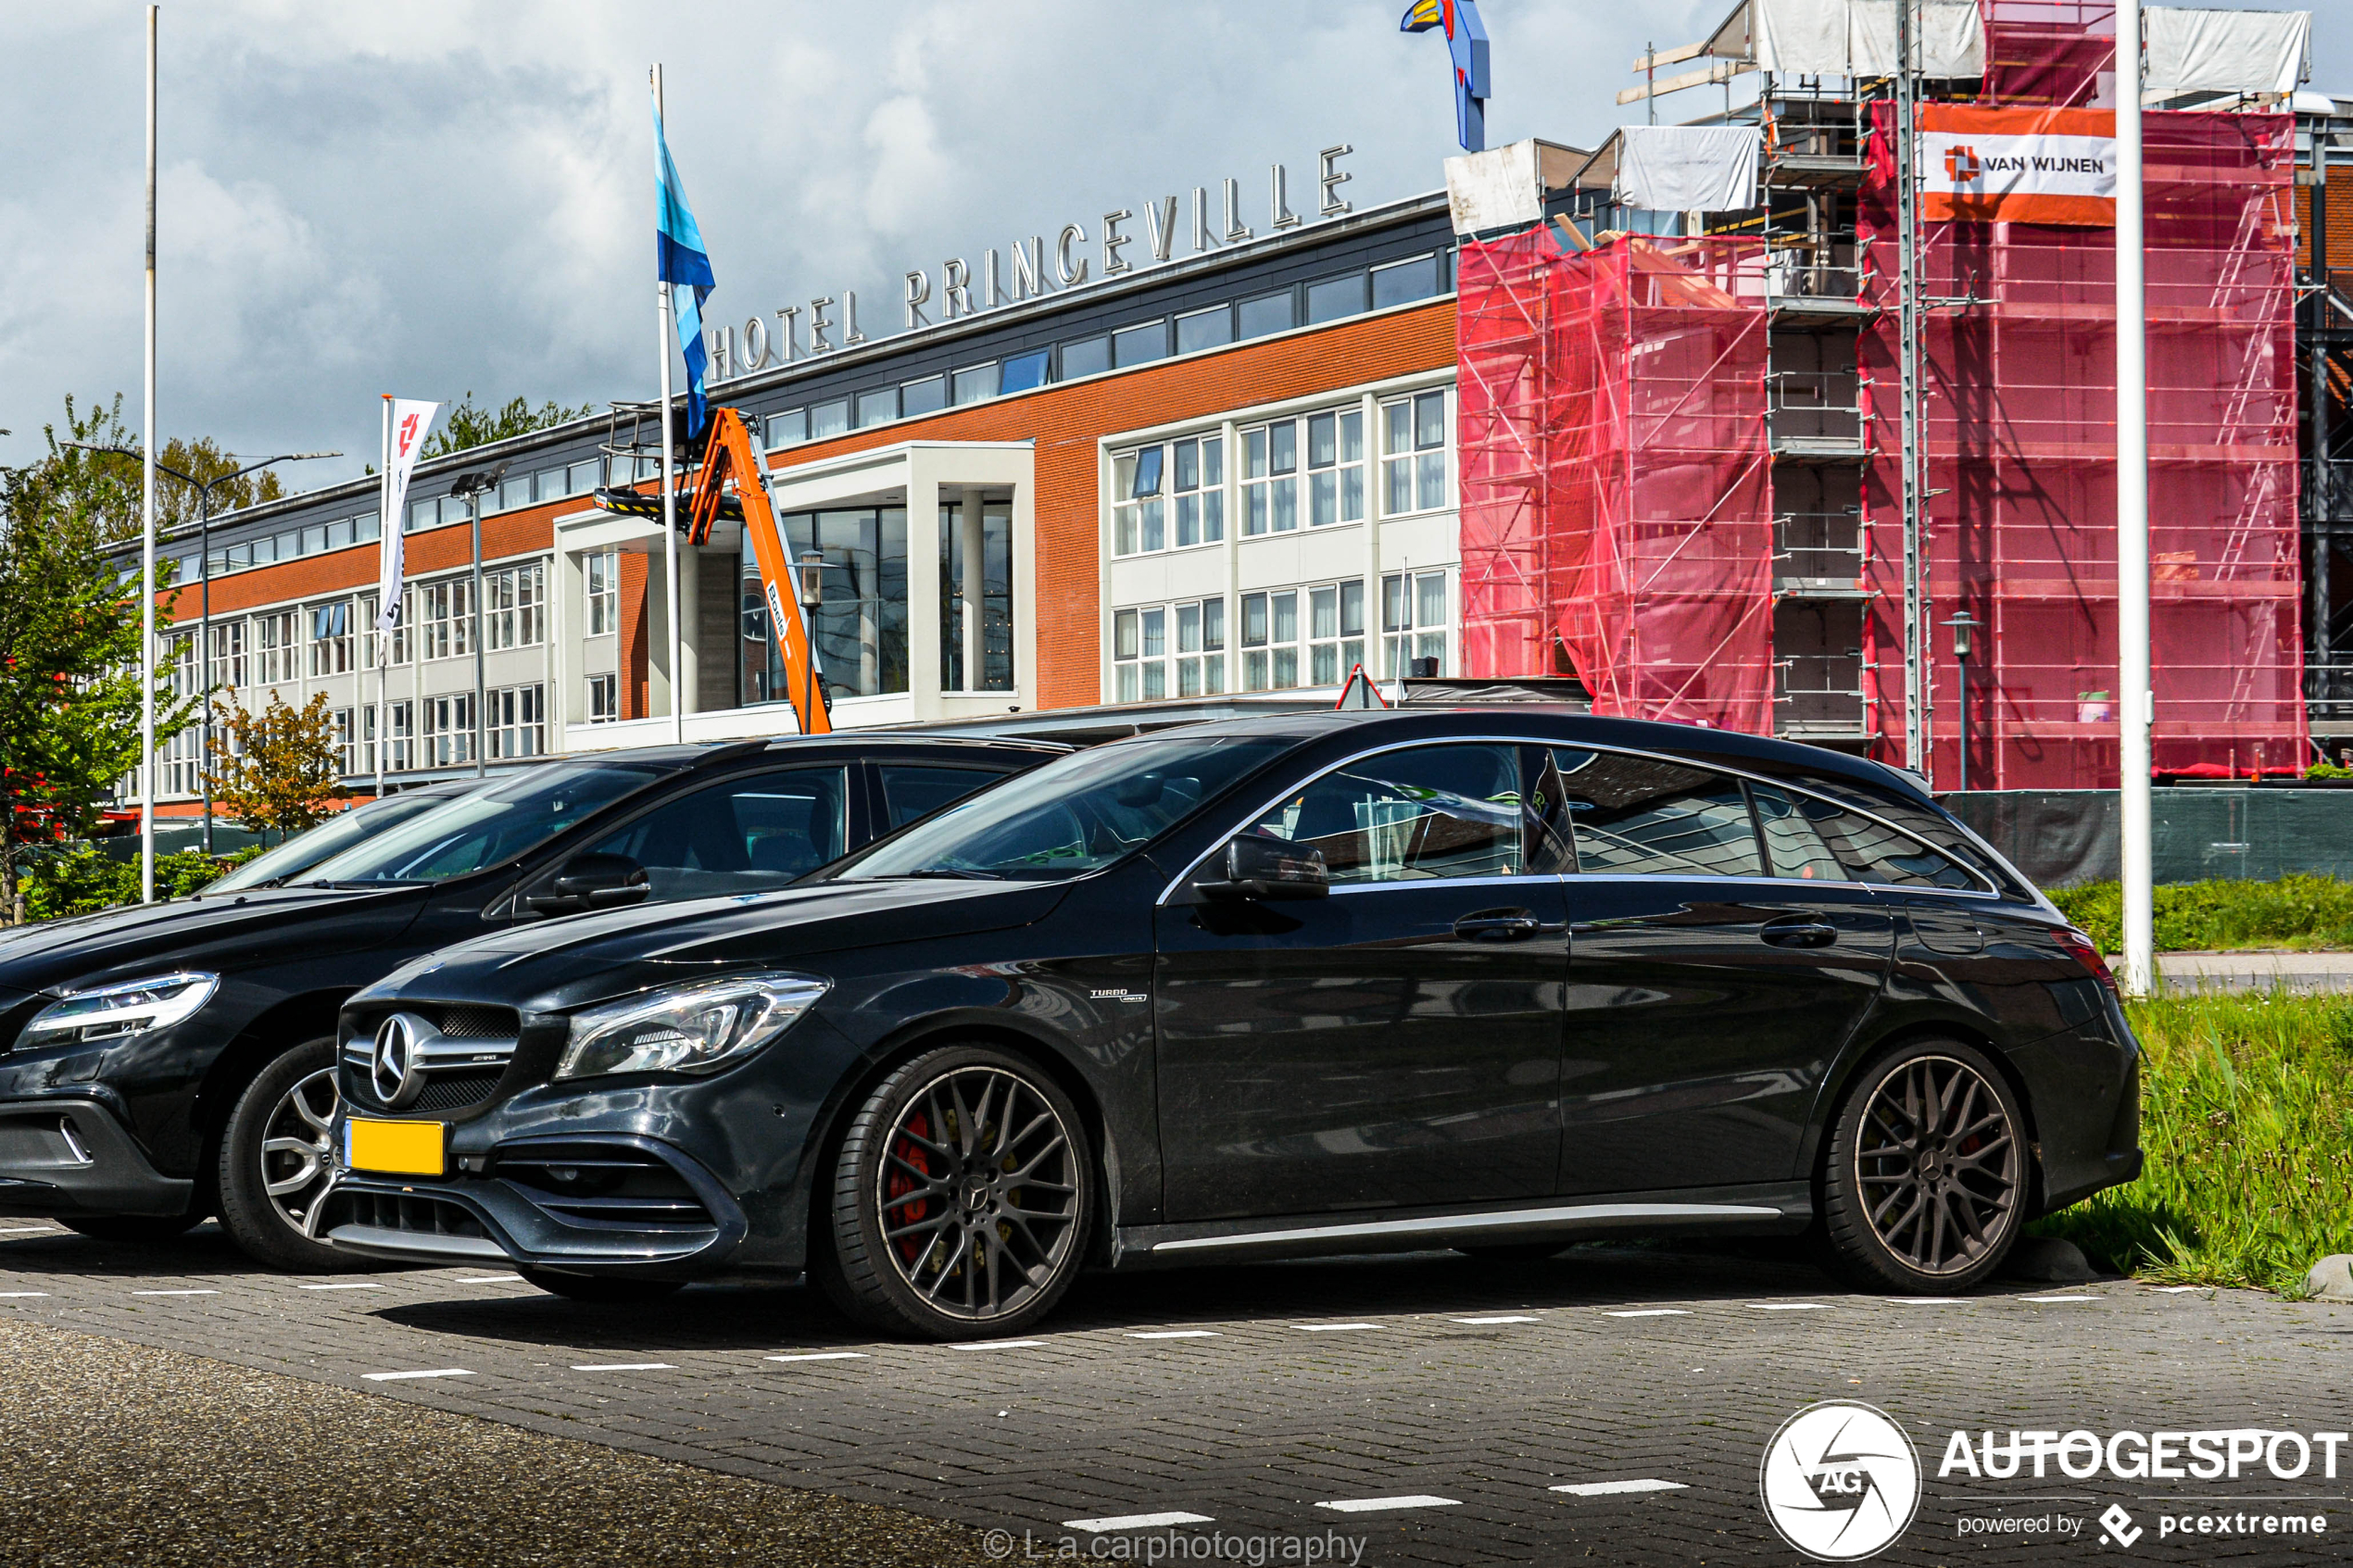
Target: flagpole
x: 2135, y: 699
x: 147, y: 525
x: 383, y: 638
x: 663, y: 332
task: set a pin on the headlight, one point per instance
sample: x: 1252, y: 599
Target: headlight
x: 696, y: 1027
x: 114, y: 1013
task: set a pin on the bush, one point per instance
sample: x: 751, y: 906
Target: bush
x: 81, y: 879
x: 2246, y: 1112
x: 2296, y: 912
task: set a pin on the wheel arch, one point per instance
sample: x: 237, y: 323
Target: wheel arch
x: 277, y: 1029
x: 1840, y: 1084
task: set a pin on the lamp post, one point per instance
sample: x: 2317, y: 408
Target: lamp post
x: 204, y: 488
x: 1964, y: 627
x: 812, y: 594
x: 469, y: 488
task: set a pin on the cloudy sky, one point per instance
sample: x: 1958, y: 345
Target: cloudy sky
x: 438, y: 198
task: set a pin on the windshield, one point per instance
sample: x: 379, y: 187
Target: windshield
x: 305, y: 850
x: 1074, y: 814
x: 486, y: 827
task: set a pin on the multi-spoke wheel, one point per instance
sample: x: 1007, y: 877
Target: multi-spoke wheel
x: 1925, y: 1181
x: 963, y: 1198
x: 277, y: 1160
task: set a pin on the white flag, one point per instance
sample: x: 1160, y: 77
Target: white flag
x: 409, y: 422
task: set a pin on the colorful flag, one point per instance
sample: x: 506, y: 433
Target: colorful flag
x: 409, y: 422
x: 679, y: 257
x: 1466, y: 47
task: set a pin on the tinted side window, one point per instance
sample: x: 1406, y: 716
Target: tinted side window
x: 1922, y: 823
x: 913, y: 790
x: 1411, y: 815
x: 1873, y: 853
x: 1798, y: 831
x: 1641, y: 816
x: 744, y: 835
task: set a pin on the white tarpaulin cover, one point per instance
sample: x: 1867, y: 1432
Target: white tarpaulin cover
x: 2224, y: 51
x: 1857, y: 37
x: 1689, y: 167
x: 1497, y: 189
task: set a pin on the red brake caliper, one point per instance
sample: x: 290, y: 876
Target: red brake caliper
x: 899, y: 1183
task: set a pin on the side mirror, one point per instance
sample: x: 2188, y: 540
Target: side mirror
x: 592, y: 882
x: 1269, y: 868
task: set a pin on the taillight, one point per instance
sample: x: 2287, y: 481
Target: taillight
x: 2087, y: 953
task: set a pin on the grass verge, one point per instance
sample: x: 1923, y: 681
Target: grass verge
x: 2295, y: 911
x: 2247, y: 1116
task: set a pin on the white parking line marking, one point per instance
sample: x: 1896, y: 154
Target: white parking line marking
x: 2175, y: 1289
x: 1482, y: 1322
x: 1789, y: 1306
x: 22, y: 1293
x: 1620, y: 1488
x: 1378, y: 1505
x: 29, y: 1230
x: 2040, y: 1301
x: 999, y: 1345
x: 1651, y: 1313
x: 175, y: 1293
x: 1135, y: 1522
x: 1330, y: 1328
x: 628, y: 1366
x: 487, y: 1279
x: 1923, y: 1300
x: 339, y: 1287
x: 397, y: 1376
x: 1172, y: 1333
x: 821, y: 1355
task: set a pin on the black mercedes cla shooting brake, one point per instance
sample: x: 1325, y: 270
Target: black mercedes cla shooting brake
x: 1495, y: 980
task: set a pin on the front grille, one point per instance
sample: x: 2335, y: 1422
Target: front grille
x: 469, y: 1050
x: 455, y: 1091
x: 474, y: 1022
x: 601, y: 1184
x: 405, y: 1211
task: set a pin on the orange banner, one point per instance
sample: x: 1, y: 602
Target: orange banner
x: 2017, y: 165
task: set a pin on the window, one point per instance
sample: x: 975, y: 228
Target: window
x: 925, y: 396
x: 861, y: 619
x: 1921, y: 822
x: 1336, y: 467
x: 914, y: 791
x: 878, y: 407
x: 1413, y: 453
x: 1402, y: 282
x: 1205, y: 328
x: 1139, y: 518
x: 600, y: 570
x: 448, y: 629
x: 1140, y: 345
x: 746, y: 835
x: 1335, y: 631
x: 1270, y: 483
x: 1088, y: 356
x: 604, y: 698
x: 1268, y: 313
x: 1336, y: 297
x: 1270, y: 641
x: 347, y: 747
x: 514, y: 604
x: 1413, y: 623
x: 513, y: 494
x: 829, y: 419
x: 332, y: 650
x: 518, y: 721
x: 1023, y: 372
x: 985, y: 582
x: 1188, y: 477
x: 977, y: 384
x: 1415, y: 815
x: 274, y: 658
x: 449, y: 730
x: 1142, y: 641
x: 1200, y: 648
x: 400, y: 738
x: 1812, y: 840
x: 787, y: 429
x: 1199, y: 481
x: 228, y: 655
x: 581, y: 478
x: 1644, y: 816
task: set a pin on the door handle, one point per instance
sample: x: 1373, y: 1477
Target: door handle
x: 1498, y: 925
x: 1799, y: 932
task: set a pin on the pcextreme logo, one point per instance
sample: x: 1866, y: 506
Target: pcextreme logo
x: 1841, y: 1481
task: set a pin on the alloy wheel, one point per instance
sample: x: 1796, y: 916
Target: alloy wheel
x: 979, y: 1199
x: 297, y: 1148
x: 1937, y: 1162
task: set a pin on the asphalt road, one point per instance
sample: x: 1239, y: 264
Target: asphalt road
x: 1610, y: 1405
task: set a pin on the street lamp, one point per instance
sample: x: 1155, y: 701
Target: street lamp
x: 812, y: 594
x: 204, y: 488
x: 1964, y: 627
x: 471, y: 487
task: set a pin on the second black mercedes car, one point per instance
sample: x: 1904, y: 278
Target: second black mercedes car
x: 1494, y: 980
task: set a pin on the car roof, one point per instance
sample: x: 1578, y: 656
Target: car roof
x: 853, y: 742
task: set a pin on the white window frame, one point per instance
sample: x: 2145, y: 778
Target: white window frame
x: 603, y: 705
x: 1422, y: 470
x: 600, y: 589
x: 514, y: 606
x: 517, y: 720
x: 1404, y: 631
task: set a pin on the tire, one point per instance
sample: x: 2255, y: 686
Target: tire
x: 610, y: 1290
x: 132, y: 1229
x: 962, y: 1201
x: 276, y: 1159
x: 1925, y: 1179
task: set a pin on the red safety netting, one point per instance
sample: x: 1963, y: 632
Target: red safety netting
x: 1617, y: 517
x: 2049, y: 53
x: 2020, y: 459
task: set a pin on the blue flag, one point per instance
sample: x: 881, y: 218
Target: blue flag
x: 679, y: 257
x: 1467, y: 51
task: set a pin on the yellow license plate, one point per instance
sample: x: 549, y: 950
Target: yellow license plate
x: 404, y: 1149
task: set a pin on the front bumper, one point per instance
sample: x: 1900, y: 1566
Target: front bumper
x: 607, y: 1203
x: 63, y: 1157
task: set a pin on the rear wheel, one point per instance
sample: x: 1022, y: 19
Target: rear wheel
x: 1924, y: 1182
x: 132, y: 1229
x: 962, y: 1200
x: 276, y: 1156
x: 609, y: 1290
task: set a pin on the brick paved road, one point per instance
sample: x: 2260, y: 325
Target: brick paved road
x: 1249, y: 1396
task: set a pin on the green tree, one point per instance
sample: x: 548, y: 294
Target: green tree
x: 69, y: 678
x: 469, y: 425
x: 274, y: 771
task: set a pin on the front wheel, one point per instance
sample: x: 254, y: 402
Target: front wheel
x: 961, y: 1201
x: 276, y: 1159
x: 1924, y: 1183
